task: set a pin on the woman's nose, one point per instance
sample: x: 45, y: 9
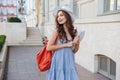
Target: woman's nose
x: 59, y: 18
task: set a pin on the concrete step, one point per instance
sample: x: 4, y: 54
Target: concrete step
x: 34, y: 38
x: 29, y: 44
x: 25, y: 44
x: 33, y: 30
x: 33, y: 35
x: 32, y: 41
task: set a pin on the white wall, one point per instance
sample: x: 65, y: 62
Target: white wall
x: 101, y: 37
x: 98, y: 39
x: 15, y: 32
x: 2, y: 28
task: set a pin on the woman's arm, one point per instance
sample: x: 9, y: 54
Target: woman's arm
x: 51, y: 43
x: 76, y: 43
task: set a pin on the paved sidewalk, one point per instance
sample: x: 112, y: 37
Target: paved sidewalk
x: 22, y: 66
x: 87, y: 75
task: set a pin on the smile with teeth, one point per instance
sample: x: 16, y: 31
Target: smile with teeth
x: 60, y: 20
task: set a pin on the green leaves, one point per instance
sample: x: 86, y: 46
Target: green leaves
x: 2, y: 41
x: 14, y: 19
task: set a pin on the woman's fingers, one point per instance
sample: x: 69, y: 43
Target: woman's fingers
x: 70, y: 44
x: 76, y: 40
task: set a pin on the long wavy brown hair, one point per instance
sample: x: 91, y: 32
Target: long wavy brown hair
x: 69, y: 25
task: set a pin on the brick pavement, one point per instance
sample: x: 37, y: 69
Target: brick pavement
x: 22, y: 66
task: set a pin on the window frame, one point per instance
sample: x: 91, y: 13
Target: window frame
x: 76, y: 11
x: 76, y: 4
x: 107, y: 73
x: 102, y: 9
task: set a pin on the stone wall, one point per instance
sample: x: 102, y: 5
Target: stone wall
x: 15, y: 32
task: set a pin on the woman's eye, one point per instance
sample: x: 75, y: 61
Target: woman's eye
x: 61, y: 15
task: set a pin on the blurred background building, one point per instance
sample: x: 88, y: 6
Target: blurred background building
x: 13, y: 8
x: 8, y: 8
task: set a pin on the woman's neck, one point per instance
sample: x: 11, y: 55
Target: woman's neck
x: 65, y: 28
x: 68, y: 36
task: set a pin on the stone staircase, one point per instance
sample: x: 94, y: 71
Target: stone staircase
x: 33, y: 37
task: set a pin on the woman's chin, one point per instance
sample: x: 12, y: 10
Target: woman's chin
x: 61, y: 23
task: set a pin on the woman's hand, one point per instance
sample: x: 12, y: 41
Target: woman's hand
x: 76, y: 43
x: 76, y: 40
x: 70, y: 44
x: 73, y: 43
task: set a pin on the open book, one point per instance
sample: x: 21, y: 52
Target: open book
x: 81, y: 34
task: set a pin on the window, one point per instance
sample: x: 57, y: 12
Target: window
x: 14, y: 2
x: 4, y: 11
x: 0, y: 2
x: 112, y: 68
x: 111, y: 5
x: 108, y: 6
x: 58, y: 3
x: 4, y: 2
x: 76, y: 8
x: 107, y: 67
x: 118, y: 4
x: 103, y: 64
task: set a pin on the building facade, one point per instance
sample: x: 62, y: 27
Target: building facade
x: 12, y: 8
x: 31, y: 17
x: 7, y: 9
x: 100, y: 50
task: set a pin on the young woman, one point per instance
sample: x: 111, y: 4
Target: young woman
x: 63, y: 64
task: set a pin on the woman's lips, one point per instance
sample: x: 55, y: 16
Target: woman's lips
x: 60, y: 20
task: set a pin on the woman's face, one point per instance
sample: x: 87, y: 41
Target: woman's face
x: 61, y: 18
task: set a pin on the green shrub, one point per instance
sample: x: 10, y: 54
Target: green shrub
x: 14, y: 19
x: 2, y: 41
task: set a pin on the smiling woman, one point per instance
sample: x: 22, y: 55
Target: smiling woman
x: 63, y: 63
